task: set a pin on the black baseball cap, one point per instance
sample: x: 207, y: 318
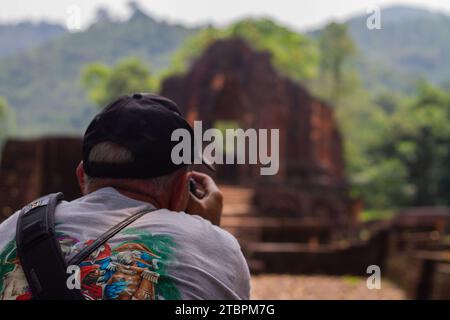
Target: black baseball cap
x: 142, y: 123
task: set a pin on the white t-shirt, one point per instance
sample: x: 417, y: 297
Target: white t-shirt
x: 162, y: 255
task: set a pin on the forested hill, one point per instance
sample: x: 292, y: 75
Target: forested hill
x: 412, y: 43
x: 19, y: 37
x: 40, y: 64
x: 43, y: 85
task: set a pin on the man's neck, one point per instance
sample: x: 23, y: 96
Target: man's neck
x: 139, y: 197
x: 135, y: 195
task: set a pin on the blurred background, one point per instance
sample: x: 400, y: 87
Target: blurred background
x: 359, y: 91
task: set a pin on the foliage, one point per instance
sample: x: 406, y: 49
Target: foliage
x: 40, y: 79
x: 419, y: 144
x: 42, y: 84
x: 21, y: 36
x: 362, y: 123
x: 105, y: 84
x: 359, y: 118
x: 396, y: 146
x: 336, y: 48
x: 294, y: 54
x: 412, y: 43
x: 398, y: 149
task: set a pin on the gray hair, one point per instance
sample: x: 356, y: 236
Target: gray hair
x: 109, y: 152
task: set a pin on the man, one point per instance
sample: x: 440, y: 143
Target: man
x: 175, y: 250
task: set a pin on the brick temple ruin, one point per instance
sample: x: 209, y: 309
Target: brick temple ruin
x: 32, y: 168
x: 233, y: 84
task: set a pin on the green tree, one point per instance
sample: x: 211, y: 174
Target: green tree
x: 336, y: 48
x: 363, y: 122
x: 360, y: 119
x: 105, y: 84
x: 419, y: 139
x: 294, y: 54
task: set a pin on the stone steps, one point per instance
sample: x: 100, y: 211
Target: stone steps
x: 258, y: 233
x: 237, y: 200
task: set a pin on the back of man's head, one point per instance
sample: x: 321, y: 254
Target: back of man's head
x: 142, y: 124
x: 109, y: 152
x: 129, y: 145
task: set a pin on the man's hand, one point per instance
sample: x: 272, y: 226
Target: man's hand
x: 210, y: 205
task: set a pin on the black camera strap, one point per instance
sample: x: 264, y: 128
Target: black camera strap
x: 39, y: 251
x: 88, y: 250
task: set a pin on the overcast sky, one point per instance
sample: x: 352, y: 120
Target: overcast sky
x: 300, y: 14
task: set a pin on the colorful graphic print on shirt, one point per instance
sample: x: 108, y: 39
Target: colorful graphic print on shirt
x: 132, y: 270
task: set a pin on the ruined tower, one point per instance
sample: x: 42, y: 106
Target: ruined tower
x: 233, y: 84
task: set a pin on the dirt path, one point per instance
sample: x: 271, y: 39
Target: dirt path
x: 320, y: 287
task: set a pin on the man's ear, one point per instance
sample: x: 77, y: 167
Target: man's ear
x: 80, y: 176
x: 180, y: 193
